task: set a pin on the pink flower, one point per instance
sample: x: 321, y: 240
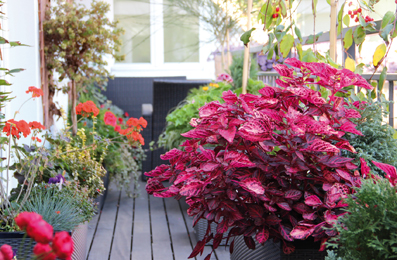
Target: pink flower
x: 40, y: 231
x: 25, y: 218
x: 63, y: 245
x: 44, y: 252
x: 110, y: 118
x: 7, y: 252
x: 224, y: 77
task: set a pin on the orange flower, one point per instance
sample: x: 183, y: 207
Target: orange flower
x: 36, y: 125
x: 11, y: 128
x: 36, y: 92
x: 142, y: 122
x: 23, y: 127
x: 132, y: 122
x: 87, y: 109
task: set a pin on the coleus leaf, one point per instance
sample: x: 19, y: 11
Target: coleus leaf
x: 301, y: 232
x: 252, y: 185
x: 293, y: 194
x: 285, y: 232
x: 262, y: 236
x: 249, y: 241
x: 319, y: 145
x: 228, y: 134
x: 313, y: 200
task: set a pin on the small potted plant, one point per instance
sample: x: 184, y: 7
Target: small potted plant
x: 276, y: 170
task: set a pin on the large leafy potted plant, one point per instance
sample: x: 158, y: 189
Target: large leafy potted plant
x: 276, y: 170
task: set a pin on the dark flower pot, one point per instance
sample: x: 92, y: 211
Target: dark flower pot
x: 304, y: 250
x: 25, y: 250
x: 201, y: 227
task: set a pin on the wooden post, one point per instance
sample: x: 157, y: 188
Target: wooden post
x: 73, y: 112
x: 333, y: 31
x: 43, y: 6
x: 247, y: 50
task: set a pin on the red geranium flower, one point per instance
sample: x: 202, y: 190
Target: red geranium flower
x: 11, y: 128
x: 126, y: 114
x: 131, y: 134
x: 87, y: 109
x: 63, y: 245
x: 40, y: 231
x: 120, y: 120
x: 14, y: 128
x: 36, y: 125
x: 142, y: 122
x: 44, y: 252
x: 110, y: 119
x: 132, y: 122
x: 37, y: 92
x: 117, y: 128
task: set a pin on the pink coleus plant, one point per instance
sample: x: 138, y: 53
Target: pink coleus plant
x: 274, y: 169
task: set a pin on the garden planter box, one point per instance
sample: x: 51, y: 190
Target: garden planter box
x: 304, y: 249
x: 100, y: 200
x: 201, y: 227
x: 25, y: 250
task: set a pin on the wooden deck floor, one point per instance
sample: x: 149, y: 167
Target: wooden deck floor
x: 143, y: 228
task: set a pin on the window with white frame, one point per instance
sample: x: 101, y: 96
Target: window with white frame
x: 140, y: 20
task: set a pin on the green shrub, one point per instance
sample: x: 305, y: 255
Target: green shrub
x: 378, y: 142
x: 178, y: 120
x: 369, y: 229
x: 236, y: 70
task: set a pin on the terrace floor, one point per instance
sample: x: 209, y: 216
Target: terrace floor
x: 143, y: 228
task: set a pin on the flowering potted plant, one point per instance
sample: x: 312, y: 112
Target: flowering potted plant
x: 47, y: 246
x: 276, y: 170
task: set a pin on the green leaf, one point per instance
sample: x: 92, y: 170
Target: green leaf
x: 348, y: 39
x: 13, y: 44
x: 310, y: 39
x: 340, y: 15
x: 388, y: 18
x: 384, y: 33
x: 245, y: 38
x: 382, y: 78
x: 286, y: 44
x: 299, y: 50
x: 395, y: 135
x: 359, y: 68
x: 380, y: 52
x: 298, y: 33
x: 4, y: 83
x: 359, y: 35
x: 270, y: 54
x: 346, y: 20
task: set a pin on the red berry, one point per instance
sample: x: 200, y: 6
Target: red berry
x: 350, y: 12
x: 278, y: 8
x: 359, y: 10
x: 274, y: 16
x: 355, y: 12
x: 352, y: 16
x: 356, y: 20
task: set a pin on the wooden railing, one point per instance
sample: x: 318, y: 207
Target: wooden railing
x: 269, y: 78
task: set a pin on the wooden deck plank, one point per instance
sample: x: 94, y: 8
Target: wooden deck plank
x: 179, y: 234
x: 103, y: 237
x: 160, y: 232
x: 141, y: 237
x: 121, y: 248
x: 91, y: 230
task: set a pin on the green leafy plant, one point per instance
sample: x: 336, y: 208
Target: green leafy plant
x: 369, y: 229
x: 59, y: 207
x: 236, y: 70
x: 76, y: 42
x: 378, y: 141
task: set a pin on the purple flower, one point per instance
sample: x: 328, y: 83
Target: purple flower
x: 56, y: 179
